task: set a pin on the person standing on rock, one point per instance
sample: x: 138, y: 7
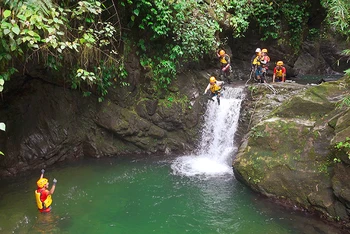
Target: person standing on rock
x: 266, y: 58
x: 279, y: 73
x: 257, y: 51
x: 43, y: 195
x: 264, y: 65
x: 215, y: 88
x: 225, y: 65
x: 257, y: 63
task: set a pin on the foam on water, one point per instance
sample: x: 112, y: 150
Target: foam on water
x: 214, y: 154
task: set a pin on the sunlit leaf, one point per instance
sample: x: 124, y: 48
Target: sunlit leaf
x: 7, y: 13
x: 2, y: 127
x: 6, y: 31
x: 16, y: 29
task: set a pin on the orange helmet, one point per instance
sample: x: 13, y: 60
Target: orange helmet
x: 264, y: 50
x: 222, y: 52
x: 41, y: 182
x: 279, y: 63
x: 212, y: 79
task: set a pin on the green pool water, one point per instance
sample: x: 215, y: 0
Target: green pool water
x: 143, y: 196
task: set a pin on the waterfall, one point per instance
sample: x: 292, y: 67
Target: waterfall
x: 214, y: 154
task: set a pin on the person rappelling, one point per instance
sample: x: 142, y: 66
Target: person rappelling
x: 215, y: 87
x: 43, y: 195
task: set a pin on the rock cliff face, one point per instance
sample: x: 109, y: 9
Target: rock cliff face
x: 47, y: 123
x: 295, y: 149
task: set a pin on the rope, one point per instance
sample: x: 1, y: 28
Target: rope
x: 250, y: 77
x: 271, y: 88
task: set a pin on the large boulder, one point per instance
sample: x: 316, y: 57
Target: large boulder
x: 291, y: 153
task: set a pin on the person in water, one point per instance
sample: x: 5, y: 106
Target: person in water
x: 43, y: 194
x: 215, y: 87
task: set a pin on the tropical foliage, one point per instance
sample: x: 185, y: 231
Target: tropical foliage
x: 338, y: 18
x: 91, y: 39
x: 172, y: 32
x: 72, y: 36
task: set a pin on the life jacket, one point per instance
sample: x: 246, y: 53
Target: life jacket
x: 279, y: 72
x: 257, y: 60
x: 42, y: 204
x: 224, y: 59
x: 266, y: 59
x: 214, y: 88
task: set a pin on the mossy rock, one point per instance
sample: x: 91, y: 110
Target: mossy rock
x: 301, y: 107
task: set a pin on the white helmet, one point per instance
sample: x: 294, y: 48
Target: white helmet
x: 257, y: 50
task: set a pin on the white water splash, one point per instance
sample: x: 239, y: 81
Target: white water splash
x: 214, y: 155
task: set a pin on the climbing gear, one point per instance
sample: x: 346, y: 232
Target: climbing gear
x: 222, y: 52
x: 271, y: 88
x: 279, y: 63
x: 212, y: 79
x: 264, y: 50
x: 257, y: 50
x: 41, y: 182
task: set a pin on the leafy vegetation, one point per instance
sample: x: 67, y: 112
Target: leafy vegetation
x: 91, y: 40
x: 344, y: 146
x: 173, y: 32
x: 338, y: 18
x: 74, y: 36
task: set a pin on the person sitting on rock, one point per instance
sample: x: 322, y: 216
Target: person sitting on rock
x: 215, y: 87
x: 279, y: 72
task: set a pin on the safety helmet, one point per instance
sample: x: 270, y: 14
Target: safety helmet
x: 212, y: 79
x: 222, y: 52
x: 264, y: 50
x: 279, y: 63
x: 41, y: 182
x: 257, y: 50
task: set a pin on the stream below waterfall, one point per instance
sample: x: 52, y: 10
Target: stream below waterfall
x: 194, y: 193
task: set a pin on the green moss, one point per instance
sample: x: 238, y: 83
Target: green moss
x: 257, y: 132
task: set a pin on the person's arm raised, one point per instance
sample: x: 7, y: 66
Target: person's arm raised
x: 52, y: 190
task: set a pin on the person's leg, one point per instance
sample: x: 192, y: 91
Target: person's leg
x: 222, y: 74
x: 217, y: 94
x: 257, y: 74
x: 227, y: 76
